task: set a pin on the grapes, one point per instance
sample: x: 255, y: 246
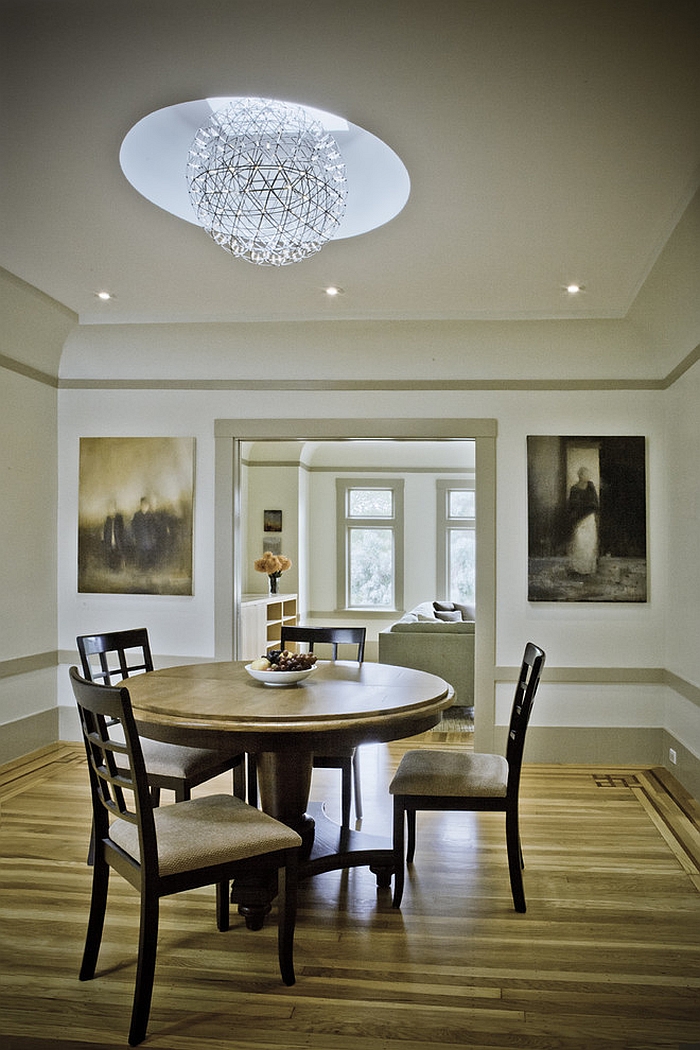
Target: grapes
x: 284, y: 660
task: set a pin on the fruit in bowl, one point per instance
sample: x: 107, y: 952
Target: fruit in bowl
x: 282, y: 667
x: 283, y: 660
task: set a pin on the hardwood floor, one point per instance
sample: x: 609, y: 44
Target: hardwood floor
x: 607, y: 955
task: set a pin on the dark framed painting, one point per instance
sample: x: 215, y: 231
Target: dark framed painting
x: 587, y: 519
x: 272, y: 521
x: 135, y: 515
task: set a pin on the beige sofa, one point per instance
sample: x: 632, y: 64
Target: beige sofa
x: 437, y: 637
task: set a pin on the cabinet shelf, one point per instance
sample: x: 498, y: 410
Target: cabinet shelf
x: 262, y: 619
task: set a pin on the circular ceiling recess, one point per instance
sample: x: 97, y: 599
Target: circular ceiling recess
x: 154, y: 156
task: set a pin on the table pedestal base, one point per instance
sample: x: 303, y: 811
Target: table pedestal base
x: 333, y: 848
x: 285, y: 781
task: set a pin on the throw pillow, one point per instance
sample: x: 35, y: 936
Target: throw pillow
x: 449, y: 617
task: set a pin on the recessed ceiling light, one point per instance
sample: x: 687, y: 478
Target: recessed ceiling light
x: 574, y: 289
x: 333, y: 289
x: 105, y: 296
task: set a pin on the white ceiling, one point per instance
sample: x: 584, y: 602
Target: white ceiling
x: 547, y: 141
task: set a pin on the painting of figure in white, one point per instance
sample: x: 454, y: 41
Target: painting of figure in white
x: 135, y: 515
x: 586, y: 519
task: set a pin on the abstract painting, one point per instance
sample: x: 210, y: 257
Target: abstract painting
x: 135, y: 514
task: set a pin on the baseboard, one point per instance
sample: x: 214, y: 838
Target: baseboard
x: 617, y: 746
x: 686, y: 768
x: 28, y: 734
x: 595, y: 745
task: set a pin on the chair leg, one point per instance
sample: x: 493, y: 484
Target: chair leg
x: 411, y: 850
x: 183, y: 793
x: 357, y: 788
x: 398, y: 844
x: 346, y: 791
x: 98, y: 904
x: 239, y: 780
x: 252, y: 779
x: 223, y: 891
x: 515, y: 860
x: 145, y: 969
x: 91, y: 846
x: 287, y: 903
x: 155, y: 797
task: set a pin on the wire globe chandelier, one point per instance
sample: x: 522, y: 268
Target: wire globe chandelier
x: 266, y: 181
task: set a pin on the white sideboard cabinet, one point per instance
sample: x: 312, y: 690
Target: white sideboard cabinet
x: 262, y: 619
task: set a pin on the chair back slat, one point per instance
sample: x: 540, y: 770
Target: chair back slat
x: 525, y: 691
x: 333, y: 636
x: 118, y: 778
x: 115, y: 655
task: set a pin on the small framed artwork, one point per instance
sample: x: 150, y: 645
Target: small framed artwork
x: 273, y: 544
x: 272, y: 521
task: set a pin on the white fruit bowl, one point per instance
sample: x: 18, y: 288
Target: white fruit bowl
x: 279, y: 677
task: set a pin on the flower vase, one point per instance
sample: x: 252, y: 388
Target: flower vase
x: 273, y: 584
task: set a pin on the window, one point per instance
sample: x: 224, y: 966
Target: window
x: 456, y: 540
x: 370, y: 544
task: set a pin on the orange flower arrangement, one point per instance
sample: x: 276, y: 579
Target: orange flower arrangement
x: 274, y: 565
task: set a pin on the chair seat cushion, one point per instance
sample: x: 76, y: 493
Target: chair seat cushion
x: 454, y: 773
x: 170, y: 760
x: 213, y: 829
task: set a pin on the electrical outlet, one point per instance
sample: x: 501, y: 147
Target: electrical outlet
x: 672, y: 756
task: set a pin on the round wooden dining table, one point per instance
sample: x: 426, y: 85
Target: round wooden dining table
x: 342, y: 704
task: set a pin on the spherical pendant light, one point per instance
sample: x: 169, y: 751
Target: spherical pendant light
x: 266, y: 181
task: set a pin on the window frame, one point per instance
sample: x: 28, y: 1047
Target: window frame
x: 446, y: 524
x: 344, y: 523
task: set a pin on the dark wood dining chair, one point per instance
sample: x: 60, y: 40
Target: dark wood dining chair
x: 465, y: 780
x: 347, y: 760
x: 165, y: 850
x: 108, y: 658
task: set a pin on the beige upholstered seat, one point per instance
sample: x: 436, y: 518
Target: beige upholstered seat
x: 464, y: 780
x: 453, y: 773
x: 214, y: 829
x: 160, y: 851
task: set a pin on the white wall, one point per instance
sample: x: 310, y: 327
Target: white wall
x: 682, y: 494
x: 27, y: 562
x: 660, y: 633
x: 27, y: 516
x: 273, y: 484
x: 598, y: 635
x: 591, y: 635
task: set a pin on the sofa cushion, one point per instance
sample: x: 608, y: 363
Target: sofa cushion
x: 431, y: 627
x: 455, y: 616
x: 466, y: 612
